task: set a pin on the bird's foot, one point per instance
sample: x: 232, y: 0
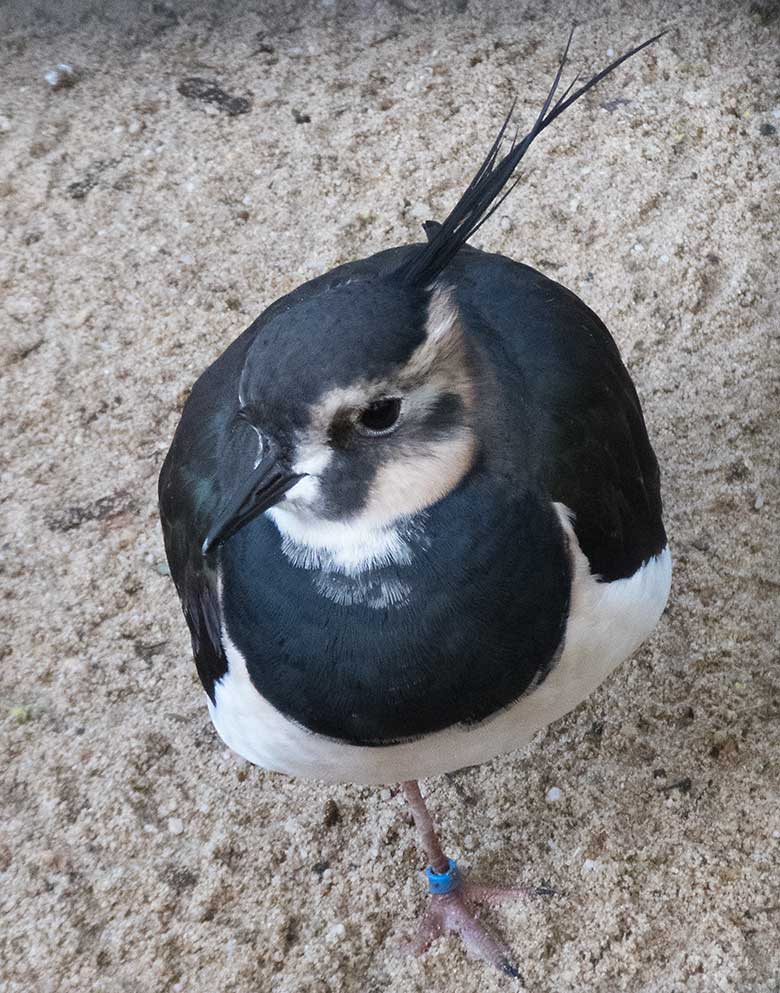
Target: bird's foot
x: 452, y: 910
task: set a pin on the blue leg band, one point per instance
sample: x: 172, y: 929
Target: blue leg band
x: 443, y: 882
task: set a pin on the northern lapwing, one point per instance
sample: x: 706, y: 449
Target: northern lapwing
x: 413, y: 516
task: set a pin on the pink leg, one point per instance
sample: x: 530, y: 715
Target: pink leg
x: 452, y: 911
x: 424, y: 824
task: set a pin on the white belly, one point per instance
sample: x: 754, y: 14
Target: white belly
x: 607, y: 623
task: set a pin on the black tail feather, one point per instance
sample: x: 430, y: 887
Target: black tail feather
x: 478, y: 201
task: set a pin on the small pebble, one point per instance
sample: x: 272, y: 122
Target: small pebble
x: 21, y: 714
x: 758, y: 503
x: 335, y: 934
x: 176, y: 825
x: 331, y: 813
x: 506, y: 223
x: 553, y: 794
x: 776, y: 834
x: 80, y: 318
x: 19, y: 307
x: 62, y: 76
x: 589, y: 865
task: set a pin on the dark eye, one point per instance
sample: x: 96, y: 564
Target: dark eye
x: 380, y: 417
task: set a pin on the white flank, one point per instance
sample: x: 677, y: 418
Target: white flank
x: 608, y: 621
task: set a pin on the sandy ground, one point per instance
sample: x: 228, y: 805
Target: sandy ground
x: 141, y: 230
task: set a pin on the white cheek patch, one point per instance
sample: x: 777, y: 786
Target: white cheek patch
x: 312, y: 458
x: 409, y: 484
x: 300, y: 498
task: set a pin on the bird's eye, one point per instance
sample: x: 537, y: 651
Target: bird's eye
x: 380, y: 417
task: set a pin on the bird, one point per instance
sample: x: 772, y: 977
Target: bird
x: 413, y: 516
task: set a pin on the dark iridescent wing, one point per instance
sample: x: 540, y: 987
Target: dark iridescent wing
x: 190, y: 494
x: 578, y: 427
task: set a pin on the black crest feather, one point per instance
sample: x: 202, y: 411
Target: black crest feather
x: 479, y: 199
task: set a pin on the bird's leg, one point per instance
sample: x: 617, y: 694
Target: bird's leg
x: 452, y: 897
x: 424, y: 824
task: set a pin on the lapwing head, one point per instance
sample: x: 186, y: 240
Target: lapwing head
x: 356, y: 407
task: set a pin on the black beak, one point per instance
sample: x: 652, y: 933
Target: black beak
x: 265, y: 487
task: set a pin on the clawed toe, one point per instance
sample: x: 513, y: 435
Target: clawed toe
x: 497, y: 895
x: 451, y: 913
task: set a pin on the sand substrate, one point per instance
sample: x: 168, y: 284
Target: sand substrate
x: 146, y: 220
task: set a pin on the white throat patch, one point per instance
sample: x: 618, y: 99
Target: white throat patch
x: 344, y: 553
